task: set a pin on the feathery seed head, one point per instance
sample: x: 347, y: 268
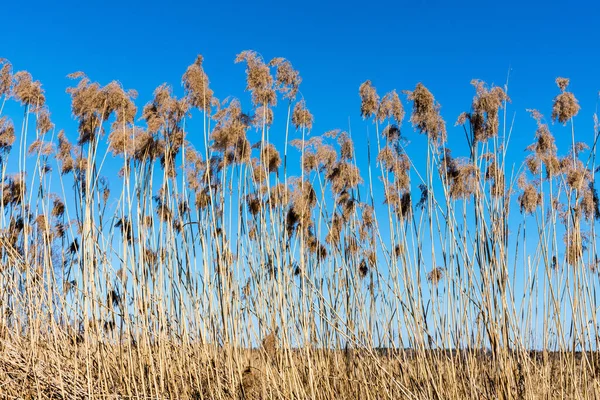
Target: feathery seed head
x: 562, y: 83
x: 301, y: 117
x: 530, y: 198
x: 258, y: 79
x: 287, y: 78
x: 346, y: 146
x: 6, y: 78
x: 64, y: 154
x: 390, y: 107
x: 28, y: 92
x: 369, y: 99
x: 195, y: 84
x: 43, y: 123
x: 270, y: 158
x: 7, y: 134
x: 426, y: 116
x: 565, y: 104
x: 485, y: 111
x: 435, y: 275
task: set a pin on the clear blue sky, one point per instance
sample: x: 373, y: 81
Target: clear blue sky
x: 334, y: 45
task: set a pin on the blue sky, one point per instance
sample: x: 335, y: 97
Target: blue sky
x: 335, y: 45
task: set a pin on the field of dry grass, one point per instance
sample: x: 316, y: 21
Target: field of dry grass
x: 217, y: 265
x: 197, y: 372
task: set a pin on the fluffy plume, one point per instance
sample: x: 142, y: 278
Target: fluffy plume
x: 6, y: 78
x: 165, y: 112
x: 92, y: 105
x: 287, y: 78
x: 128, y: 140
x: 590, y: 203
x: 484, y: 111
x: 396, y: 163
x: 529, y: 199
x: 27, y: 91
x: 279, y: 195
x: 58, y: 207
x: 392, y: 134
x: 195, y: 83
x: 495, y: 174
x: 398, y: 198
x: 543, y: 149
x: 435, y: 275
x: 426, y: 116
x: 13, y: 190
x: 270, y: 158
x: 301, y: 117
x: 343, y: 176
x: 369, y: 99
x: 263, y: 116
x: 565, y: 105
x: 194, y: 168
x: 146, y: 146
x: 462, y: 176
x: 43, y: 123
x: 577, y: 175
x: 303, y: 199
x: 258, y: 79
x: 574, y: 242
x: 229, y: 134
x: 40, y: 147
x: 7, y: 134
x: 65, y: 153
x: 390, y: 107
x: 318, y: 156
x: 346, y: 146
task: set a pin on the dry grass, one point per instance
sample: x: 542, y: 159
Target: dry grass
x: 218, y: 270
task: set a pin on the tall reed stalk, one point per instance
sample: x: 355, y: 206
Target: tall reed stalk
x: 212, y: 267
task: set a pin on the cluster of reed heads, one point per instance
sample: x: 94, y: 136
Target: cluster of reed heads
x: 219, y: 270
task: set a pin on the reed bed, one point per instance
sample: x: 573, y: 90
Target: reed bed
x: 231, y: 268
